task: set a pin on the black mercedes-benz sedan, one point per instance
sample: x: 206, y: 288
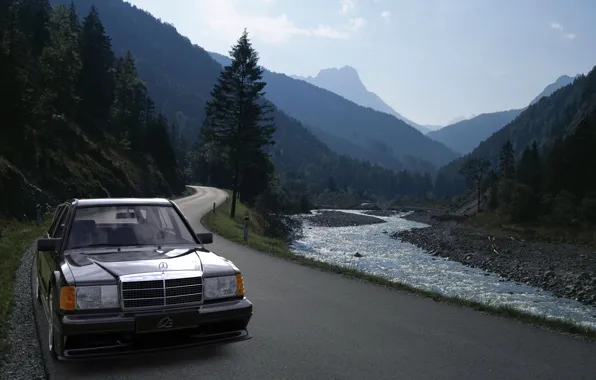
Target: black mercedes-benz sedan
x: 120, y: 276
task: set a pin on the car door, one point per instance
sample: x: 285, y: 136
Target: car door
x: 47, y: 260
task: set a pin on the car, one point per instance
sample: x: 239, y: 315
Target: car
x: 122, y: 276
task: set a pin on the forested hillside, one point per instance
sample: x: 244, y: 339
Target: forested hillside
x: 181, y: 76
x: 77, y: 121
x: 382, y: 136
x: 465, y: 135
x: 548, y: 123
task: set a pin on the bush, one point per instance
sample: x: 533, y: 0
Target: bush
x: 588, y: 208
x: 272, y: 208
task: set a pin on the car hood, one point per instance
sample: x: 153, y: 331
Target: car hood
x: 106, y: 268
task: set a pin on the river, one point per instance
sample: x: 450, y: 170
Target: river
x: 405, y: 263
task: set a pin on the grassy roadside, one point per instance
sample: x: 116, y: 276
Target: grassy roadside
x: 16, y: 237
x: 232, y: 229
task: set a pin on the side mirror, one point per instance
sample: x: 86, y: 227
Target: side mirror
x: 205, y: 238
x: 48, y: 244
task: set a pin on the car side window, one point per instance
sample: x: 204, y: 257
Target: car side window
x: 55, y: 219
x: 59, y: 231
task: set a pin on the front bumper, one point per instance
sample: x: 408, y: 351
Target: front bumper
x: 99, y: 335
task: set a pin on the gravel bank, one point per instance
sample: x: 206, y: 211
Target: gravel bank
x: 566, y: 270
x: 381, y: 212
x: 25, y: 360
x: 342, y: 219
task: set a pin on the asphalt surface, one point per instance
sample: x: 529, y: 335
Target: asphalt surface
x: 315, y: 325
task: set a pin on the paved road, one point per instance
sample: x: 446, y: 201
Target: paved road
x: 315, y: 325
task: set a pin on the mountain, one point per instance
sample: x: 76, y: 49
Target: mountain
x: 562, y: 81
x: 346, y: 82
x: 180, y: 76
x: 465, y: 135
x: 545, y: 122
x: 364, y: 127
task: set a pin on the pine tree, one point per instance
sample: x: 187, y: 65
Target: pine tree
x: 96, y: 79
x: 530, y: 168
x: 474, y: 170
x: 130, y: 104
x: 60, y: 64
x: 507, y: 161
x: 236, y: 121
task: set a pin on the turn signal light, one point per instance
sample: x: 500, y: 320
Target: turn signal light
x: 68, y: 298
x: 239, y: 285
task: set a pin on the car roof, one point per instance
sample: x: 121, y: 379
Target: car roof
x: 106, y: 202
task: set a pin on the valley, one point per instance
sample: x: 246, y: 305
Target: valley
x: 492, y: 213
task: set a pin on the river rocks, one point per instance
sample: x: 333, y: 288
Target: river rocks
x: 342, y: 219
x: 381, y: 212
x: 566, y: 270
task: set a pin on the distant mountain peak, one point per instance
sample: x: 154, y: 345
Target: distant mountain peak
x: 346, y: 82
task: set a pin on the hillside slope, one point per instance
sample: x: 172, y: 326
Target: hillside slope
x: 62, y: 139
x: 544, y: 122
x: 465, y: 135
x: 340, y: 117
x: 346, y: 82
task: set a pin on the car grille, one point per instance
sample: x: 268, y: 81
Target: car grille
x: 160, y: 293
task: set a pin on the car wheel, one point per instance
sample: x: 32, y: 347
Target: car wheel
x: 55, y: 338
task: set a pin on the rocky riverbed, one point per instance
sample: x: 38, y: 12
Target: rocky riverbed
x: 328, y: 218
x: 566, y: 270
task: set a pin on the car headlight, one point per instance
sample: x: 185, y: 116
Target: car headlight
x: 223, y: 287
x: 97, y: 297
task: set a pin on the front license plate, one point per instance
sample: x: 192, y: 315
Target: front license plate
x: 167, y: 322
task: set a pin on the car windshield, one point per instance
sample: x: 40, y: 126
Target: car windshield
x: 121, y: 226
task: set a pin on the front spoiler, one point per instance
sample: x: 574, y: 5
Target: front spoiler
x: 155, y: 345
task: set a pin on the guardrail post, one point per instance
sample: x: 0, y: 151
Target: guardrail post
x: 246, y: 228
x: 38, y: 216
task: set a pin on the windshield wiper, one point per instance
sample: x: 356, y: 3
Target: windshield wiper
x: 96, y: 246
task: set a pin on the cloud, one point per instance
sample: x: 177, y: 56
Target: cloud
x: 559, y: 27
x: 386, y: 15
x: 556, y: 25
x: 355, y: 24
x: 225, y: 22
x: 347, y: 5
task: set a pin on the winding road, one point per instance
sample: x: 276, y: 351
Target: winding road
x: 310, y: 324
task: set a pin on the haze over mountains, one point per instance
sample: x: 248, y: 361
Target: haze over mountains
x: 465, y: 135
x: 346, y: 82
x: 351, y: 129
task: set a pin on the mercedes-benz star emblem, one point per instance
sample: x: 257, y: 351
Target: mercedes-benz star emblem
x: 165, y: 323
x: 163, y: 266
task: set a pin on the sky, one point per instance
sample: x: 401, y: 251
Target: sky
x: 431, y: 60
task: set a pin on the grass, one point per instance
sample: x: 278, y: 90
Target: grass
x: 16, y: 238
x: 232, y: 229
x: 502, y: 226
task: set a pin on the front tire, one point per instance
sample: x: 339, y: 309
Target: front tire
x: 55, y: 338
